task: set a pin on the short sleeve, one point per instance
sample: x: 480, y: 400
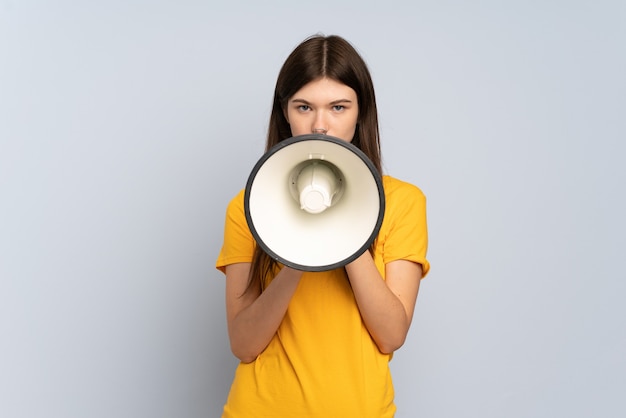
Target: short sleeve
x: 238, y: 245
x: 405, y: 233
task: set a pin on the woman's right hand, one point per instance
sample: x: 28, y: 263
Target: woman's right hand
x: 253, y: 316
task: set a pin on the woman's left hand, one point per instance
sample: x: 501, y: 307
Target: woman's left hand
x: 386, y: 305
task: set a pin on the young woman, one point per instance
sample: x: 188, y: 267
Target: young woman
x: 319, y: 344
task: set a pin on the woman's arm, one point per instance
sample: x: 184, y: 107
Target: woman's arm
x: 253, y: 317
x: 386, y: 306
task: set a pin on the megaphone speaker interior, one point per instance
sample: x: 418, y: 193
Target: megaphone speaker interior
x: 314, y: 202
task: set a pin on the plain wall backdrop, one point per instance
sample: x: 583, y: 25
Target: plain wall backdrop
x: 127, y: 126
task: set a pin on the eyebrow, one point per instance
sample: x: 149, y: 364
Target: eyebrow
x: 334, y: 102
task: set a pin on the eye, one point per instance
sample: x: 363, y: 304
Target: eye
x: 338, y: 108
x: 303, y: 108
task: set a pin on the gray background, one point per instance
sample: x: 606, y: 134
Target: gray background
x: 126, y: 126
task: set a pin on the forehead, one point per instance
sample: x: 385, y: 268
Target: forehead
x: 325, y: 89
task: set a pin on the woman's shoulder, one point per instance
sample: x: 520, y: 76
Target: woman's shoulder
x: 236, y: 204
x: 237, y: 200
x: 396, y: 188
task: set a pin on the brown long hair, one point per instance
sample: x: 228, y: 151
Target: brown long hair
x: 318, y: 57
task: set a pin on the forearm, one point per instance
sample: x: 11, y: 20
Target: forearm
x: 252, y: 328
x: 384, y: 314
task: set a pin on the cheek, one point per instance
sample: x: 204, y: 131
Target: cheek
x: 297, y: 126
x: 353, y: 127
x: 297, y: 129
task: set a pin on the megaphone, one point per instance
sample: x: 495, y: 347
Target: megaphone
x: 314, y: 202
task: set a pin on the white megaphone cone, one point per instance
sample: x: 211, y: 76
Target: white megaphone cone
x: 314, y: 202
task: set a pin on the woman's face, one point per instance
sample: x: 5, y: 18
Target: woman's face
x: 323, y: 105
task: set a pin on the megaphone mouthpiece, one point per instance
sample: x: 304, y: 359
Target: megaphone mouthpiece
x: 317, y: 185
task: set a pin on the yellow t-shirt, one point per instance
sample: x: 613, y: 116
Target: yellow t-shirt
x: 322, y: 362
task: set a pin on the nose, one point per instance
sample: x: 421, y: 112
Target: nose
x: 319, y: 124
